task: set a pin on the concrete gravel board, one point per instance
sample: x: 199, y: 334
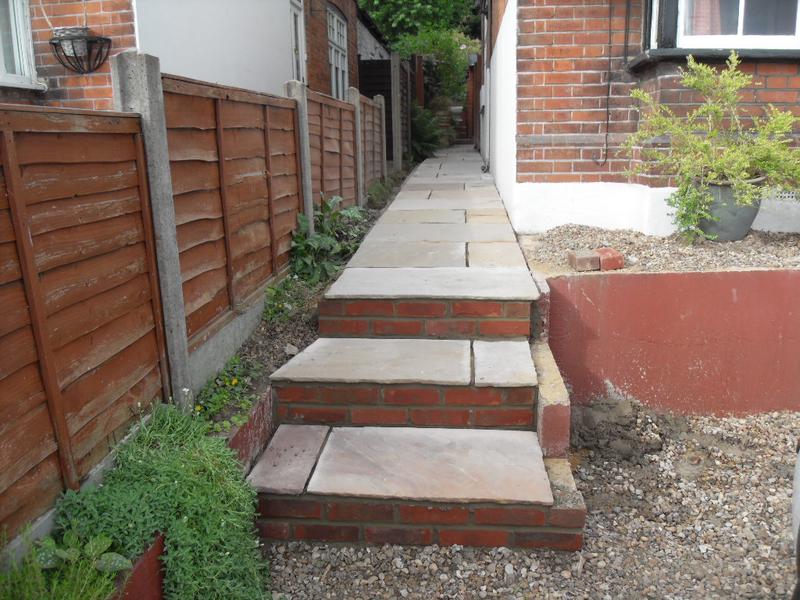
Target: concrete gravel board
x: 286, y: 464
x: 503, y: 364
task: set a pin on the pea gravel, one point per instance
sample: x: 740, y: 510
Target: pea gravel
x: 547, y: 252
x: 700, y: 510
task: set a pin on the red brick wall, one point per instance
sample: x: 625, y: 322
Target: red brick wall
x: 562, y: 60
x: 318, y: 68
x: 109, y: 18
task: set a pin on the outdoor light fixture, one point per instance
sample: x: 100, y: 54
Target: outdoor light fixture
x: 78, y: 50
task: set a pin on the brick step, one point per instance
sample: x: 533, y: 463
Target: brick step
x: 455, y: 383
x: 416, y: 486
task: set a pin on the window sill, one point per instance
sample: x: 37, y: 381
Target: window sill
x: 36, y: 86
x: 656, y: 55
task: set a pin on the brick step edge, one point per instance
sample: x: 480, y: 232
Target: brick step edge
x: 404, y: 405
x: 336, y: 519
x: 460, y: 319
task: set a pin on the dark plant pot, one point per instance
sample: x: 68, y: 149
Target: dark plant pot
x: 732, y: 221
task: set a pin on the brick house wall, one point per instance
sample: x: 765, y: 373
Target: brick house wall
x: 563, y: 89
x: 317, y: 65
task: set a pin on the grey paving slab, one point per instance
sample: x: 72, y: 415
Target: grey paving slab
x: 452, y: 202
x: 487, y: 212
x: 438, y: 282
x: 473, y: 194
x: 423, y: 216
x: 434, y: 185
x: 497, y: 254
x: 503, y: 364
x: 410, y: 254
x: 407, y: 195
x: 444, y: 465
x: 362, y: 360
x: 286, y: 464
x: 442, y: 232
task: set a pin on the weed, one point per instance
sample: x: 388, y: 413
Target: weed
x: 230, y: 390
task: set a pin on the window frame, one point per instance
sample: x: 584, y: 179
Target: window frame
x: 19, y: 12
x: 338, y: 58
x: 298, y: 39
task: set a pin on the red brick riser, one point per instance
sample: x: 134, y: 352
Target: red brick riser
x: 403, y: 405
x: 333, y: 519
x: 452, y: 319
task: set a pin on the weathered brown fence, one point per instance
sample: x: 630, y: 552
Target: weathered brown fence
x: 81, y: 341
x: 372, y: 136
x: 236, y: 186
x: 332, y: 137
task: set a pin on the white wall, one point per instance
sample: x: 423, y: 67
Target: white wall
x: 370, y: 48
x: 243, y: 43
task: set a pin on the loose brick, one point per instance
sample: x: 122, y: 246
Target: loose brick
x: 573, y: 518
x: 317, y: 414
x: 408, y: 328
x: 610, y: 259
x: 472, y: 396
x: 421, y: 309
x: 477, y: 309
x: 378, y: 416
x: 504, y: 417
x: 274, y: 530
x: 359, y: 511
x: 337, y: 326
x: 451, y: 327
x: 398, y: 535
x: 297, y: 393
x: 518, y: 310
x: 369, y: 308
x: 327, y: 533
x: 548, y: 539
x: 505, y: 328
x: 525, y: 516
x: 350, y: 395
x: 411, y: 396
x: 435, y: 416
x: 331, y: 308
x: 292, y: 508
x: 474, y: 537
x: 412, y: 513
x: 523, y: 395
x: 583, y: 260
x: 553, y: 428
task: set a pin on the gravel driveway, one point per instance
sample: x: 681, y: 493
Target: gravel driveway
x: 700, y: 508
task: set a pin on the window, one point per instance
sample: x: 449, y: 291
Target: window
x: 16, y: 47
x: 337, y: 53
x: 298, y: 32
x: 739, y: 24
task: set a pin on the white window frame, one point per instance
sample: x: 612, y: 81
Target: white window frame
x: 337, y: 53
x: 738, y: 41
x: 19, y: 11
x: 298, y: 37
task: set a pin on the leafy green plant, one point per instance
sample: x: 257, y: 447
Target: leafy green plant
x: 72, y: 570
x: 398, y: 17
x: 425, y: 134
x: 714, y: 144
x: 282, y: 299
x: 175, y: 479
x: 229, y: 394
x: 378, y: 194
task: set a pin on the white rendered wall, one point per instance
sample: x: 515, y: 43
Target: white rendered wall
x: 370, y: 48
x: 242, y: 43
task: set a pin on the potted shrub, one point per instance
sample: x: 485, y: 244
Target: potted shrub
x: 722, y: 160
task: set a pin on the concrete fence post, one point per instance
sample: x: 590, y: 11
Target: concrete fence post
x: 382, y: 108
x: 355, y: 100
x: 137, y: 87
x: 397, y: 107
x: 298, y: 91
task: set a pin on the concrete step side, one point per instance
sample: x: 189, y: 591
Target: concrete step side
x: 553, y: 404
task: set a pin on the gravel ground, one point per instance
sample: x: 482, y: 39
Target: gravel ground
x: 548, y: 251
x: 699, y: 509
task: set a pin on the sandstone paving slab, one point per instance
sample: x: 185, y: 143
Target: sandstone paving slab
x: 391, y: 361
x: 475, y: 283
x: 487, y: 212
x: 452, y: 202
x: 434, y: 185
x: 442, y: 232
x: 418, y: 195
x: 498, y: 218
x: 286, y: 464
x: 495, y: 254
x: 503, y: 364
x: 410, y: 254
x: 442, y: 465
x: 423, y: 216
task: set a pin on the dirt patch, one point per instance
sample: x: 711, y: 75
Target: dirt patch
x: 547, y: 252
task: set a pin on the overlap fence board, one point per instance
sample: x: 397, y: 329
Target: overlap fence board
x: 332, y: 133
x: 236, y: 187
x: 372, y: 137
x: 81, y: 338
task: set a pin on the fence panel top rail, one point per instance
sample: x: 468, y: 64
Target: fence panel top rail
x: 328, y: 100
x: 194, y: 87
x: 45, y: 120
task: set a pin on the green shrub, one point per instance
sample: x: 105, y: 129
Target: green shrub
x: 425, y: 133
x: 175, y: 479
x: 230, y: 390
x: 378, y: 194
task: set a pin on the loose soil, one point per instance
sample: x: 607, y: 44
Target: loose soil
x: 547, y: 252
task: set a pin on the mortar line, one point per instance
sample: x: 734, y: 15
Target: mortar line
x: 316, y: 460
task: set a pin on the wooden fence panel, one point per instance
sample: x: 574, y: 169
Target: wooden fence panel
x: 81, y: 338
x: 371, y: 140
x: 236, y: 184
x: 332, y: 134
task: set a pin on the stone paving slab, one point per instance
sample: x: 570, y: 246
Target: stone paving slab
x: 438, y: 282
x: 423, y: 216
x: 495, y: 254
x: 442, y: 465
x: 390, y: 361
x: 472, y: 194
x: 449, y: 203
x: 442, y: 232
x: 286, y: 464
x: 433, y: 185
x: 410, y: 254
x: 498, y: 218
x: 503, y: 364
x: 418, y: 195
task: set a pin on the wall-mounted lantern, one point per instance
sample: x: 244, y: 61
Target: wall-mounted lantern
x: 78, y: 50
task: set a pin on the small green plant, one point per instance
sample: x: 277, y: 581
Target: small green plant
x: 378, y: 194
x: 229, y: 393
x: 425, y: 133
x: 714, y: 145
x: 72, y: 570
x: 283, y: 299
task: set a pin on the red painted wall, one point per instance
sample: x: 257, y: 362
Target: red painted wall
x: 699, y: 343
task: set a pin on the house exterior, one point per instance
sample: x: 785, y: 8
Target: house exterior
x: 556, y: 98
x: 252, y: 44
